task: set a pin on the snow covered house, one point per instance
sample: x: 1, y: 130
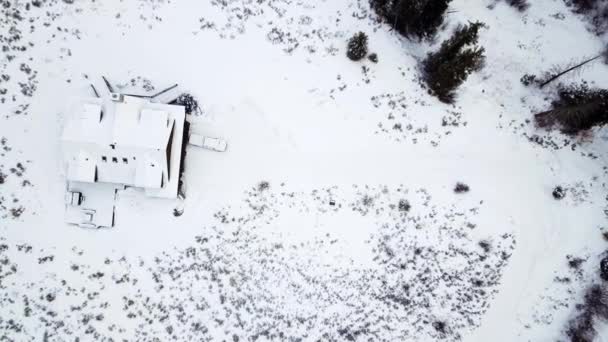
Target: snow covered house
x: 115, y: 142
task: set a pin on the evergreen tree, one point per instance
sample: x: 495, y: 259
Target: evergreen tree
x: 458, y: 56
x: 412, y: 18
x: 357, y: 47
x: 577, y: 108
x: 520, y: 5
x: 595, y: 10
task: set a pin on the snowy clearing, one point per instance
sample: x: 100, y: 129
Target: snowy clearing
x: 332, y: 215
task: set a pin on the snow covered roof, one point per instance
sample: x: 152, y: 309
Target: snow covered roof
x: 124, y: 142
x: 125, y: 124
x: 82, y: 170
x: 147, y: 128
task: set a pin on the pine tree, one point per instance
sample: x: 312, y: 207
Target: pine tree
x: 412, y: 18
x: 520, y: 5
x: 577, y: 108
x: 357, y: 47
x: 458, y: 56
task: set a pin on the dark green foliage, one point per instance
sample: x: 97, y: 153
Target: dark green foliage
x: 461, y: 188
x: 412, y: 18
x: 583, y: 5
x: 577, y: 108
x: 528, y: 79
x: 594, y: 307
x: 595, y: 10
x: 373, y: 57
x: 485, y: 245
x: 263, y: 186
x: 404, y: 205
x: 440, y: 326
x: 357, y: 47
x: 604, y: 268
x: 558, y: 192
x: 458, y: 56
x: 189, y: 102
x: 520, y: 5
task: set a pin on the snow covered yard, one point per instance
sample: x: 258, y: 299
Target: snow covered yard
x: 333, y: 215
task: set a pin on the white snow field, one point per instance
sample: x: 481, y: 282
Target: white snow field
x: 332, y: 216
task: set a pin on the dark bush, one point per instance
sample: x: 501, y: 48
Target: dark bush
x: 528, y: 79
x: 357, y: 47
x: 581, y: 329
x: 373, y: 57
x: 263, y: 186
x: 404, y: 205
x: 596, y: 301
x: 461, y: 188
x: 577, y: 108
x: 575, y: 263
x: 520, y: 5
x: 189, y: 102
x: 485, y: 245
x: 458, y: 56
x: 604, y: 268
x: 558, y: 192
x: 594, y: 307
x: 412, y: 18
x: 440, y: 326
x: 595, y: 10
x: 583, y: 5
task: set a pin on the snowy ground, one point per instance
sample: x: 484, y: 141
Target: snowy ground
x: 260, y: 253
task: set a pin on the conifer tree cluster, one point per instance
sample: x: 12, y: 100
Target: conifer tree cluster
x: 449, y: 67
x: 412, y: 18
x: 594, y: 309
x: 357, y: 47
x: 595, y: 10
x: 520, y: 5
x: 577, y: 108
